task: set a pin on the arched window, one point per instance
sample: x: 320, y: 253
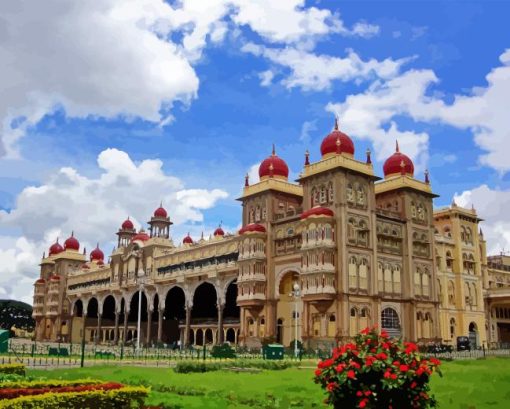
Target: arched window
x: 363, y: 274
x: 453, y: 328
x: 380, y: 277
x: 413, y: 210
x: 330, y: 193
x: 350, y: 193
x: 396, y: 280
x: 323, y: 197
x: 417, y: 282
x: 451, y: 293
x: 390, y: 321
x: 354, y: 322
x: 360, y: 196
x: 353, y: 272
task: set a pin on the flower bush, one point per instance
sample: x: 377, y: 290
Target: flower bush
x: 14, y: 369
x: 11, y: 393
x: 377, y: 372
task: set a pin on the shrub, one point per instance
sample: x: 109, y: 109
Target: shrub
x: 11, y: 393
x: 15, y: 369
x: 223, y: 351
x: 197, y: 366
x: 377, y: 372
x: 123, y: 398
x: 45, y: 383
x: 194, y: 366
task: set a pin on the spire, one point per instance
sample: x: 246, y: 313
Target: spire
x: 336, y: 123
x: 369, y: 159
x: 72, y: 233
x: 307, y: 158
x: 427, y: 180
x: 396, y: 146
x: 161, y: 203
x: 44, y: 254
x: 84, y: 251
x: 247, y: 180
x: 274, y: 150
x: 481, y: 233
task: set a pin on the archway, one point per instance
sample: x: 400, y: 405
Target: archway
x: 91, y: 318
x: 133, y: 315
x: 108, y: 319
x: 473, y: 335
x: 231, y: 312
x: 285, y: 308
x: 208, y: 336
x: 231, y: 335
x: 174, y: 314
x: 199, y: 337
x: 78, y: 308
x: 390, y: 322
x: 204, y: 303
x: 279, y: 331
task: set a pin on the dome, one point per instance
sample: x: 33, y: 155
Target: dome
x: 71, y: 243
x: 398, y: 164
x: 40, y: 281
x: 56, y: 248
x: 273, y: 166
x: 55, y: 277
x: 160, y: 212
x: 219, y: 232
x: 317, y: 211
x: 187, y: 240
x: 253, y: 227
x: 337, y: 142
x: 140, y: 236
x: 96, y: 254
x: 127, y: 225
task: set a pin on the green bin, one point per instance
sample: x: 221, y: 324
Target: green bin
x: 273, y: 351
x: 4, y: 341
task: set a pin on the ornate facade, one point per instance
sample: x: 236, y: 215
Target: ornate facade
x: 364, y: 250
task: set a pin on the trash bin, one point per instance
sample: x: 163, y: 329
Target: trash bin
x: 4, y: 341
x: 273, y: 351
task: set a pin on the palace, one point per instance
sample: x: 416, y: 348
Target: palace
x: 362, y: 250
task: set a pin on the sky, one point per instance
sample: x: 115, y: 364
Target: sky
x: 109, y: 108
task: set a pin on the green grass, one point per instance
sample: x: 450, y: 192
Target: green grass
x: 465, y: 385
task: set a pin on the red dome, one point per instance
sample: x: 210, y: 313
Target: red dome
x: 56, y: 248
x: 96, y: 254
x: 317, y: 211
x: 160, y: 212
x: 71, y: 243
x: 337, y: 142
x: 253, y: 227
x: 55, y: 277
x: 127, y: 225
x: 40, y: 281
x: 187, y: 240
x: 140, y: 236
x: 219, y: 232
x: 398, y: 164
x: 273, y: 166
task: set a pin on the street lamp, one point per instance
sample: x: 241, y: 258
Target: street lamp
x: 296, y: 293
x: 140, y: 279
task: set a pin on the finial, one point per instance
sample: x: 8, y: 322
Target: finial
x: 202, y: 237
x: 427, y: 180
x: 247, y: 180
x: 336, y: 123
x: 453, y: 203
x: 481, y: 232
x: 44, y: 254
x: 57, y: 240
x: 84, y: 251
x: 274, y: 150
x: 221, y: 223
x: 161, y: 203
x: 307, y: 158
x: 396, y: 146
x: 97, y: 246
x: 369, y: 159
x: 72, y: 233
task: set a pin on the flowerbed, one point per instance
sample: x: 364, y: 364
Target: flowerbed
x: 46, y: 383
x: 11, y: 393
x: 377, y: 372
x: 197, y: 366
x: 12, y: 369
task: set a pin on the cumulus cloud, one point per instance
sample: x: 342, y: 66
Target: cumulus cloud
x: 315, y: 72
x: 491, y: 205
x: 371, y: 115
x: 94, y: 207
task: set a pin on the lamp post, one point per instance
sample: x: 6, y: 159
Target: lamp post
x: 296, y: 293
x: 140, y: 281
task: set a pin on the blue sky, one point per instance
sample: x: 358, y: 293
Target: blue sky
x: 207, y: 92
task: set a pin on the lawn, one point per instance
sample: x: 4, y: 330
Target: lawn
x: 466, y: 385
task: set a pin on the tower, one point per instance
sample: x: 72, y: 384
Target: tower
x: 160, y: 223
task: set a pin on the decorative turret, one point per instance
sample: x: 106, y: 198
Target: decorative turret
x: 125, y: 233
x: 160, y: 223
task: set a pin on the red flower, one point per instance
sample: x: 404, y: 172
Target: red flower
x: 351, y: 374
x: 318, y: 372
x: 331, y: 386
x: 435, y: 361
x: 384, y: 334
x: 363, y: 403
x: 366, y: 331
x: 404, y: 368
x: 359, y: 394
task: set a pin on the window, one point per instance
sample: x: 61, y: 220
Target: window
x: 363, y: 274
x: 322, y: 197
x: 330, y: 193
x: 350, y: 193
x: 451, y: 293
x: 353, y: 272
x: 389, y: 319
x: 360, y: 196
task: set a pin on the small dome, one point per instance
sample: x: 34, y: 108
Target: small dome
x: 140, y: 236
x: 253, y: 227
x: 55, y: 277
x: 398, y: 164
x: 317, y: 211
x: 96, y: 254
x: 71, y: 243
x: 40, y: 281
x: 127, y: 225
x: 219, y: 232
x: 187, y: 240
x: 160, y: 212
x: 85, y: 266
x: 55, y: 248
x: 337, y: 142
x: 273, y: 166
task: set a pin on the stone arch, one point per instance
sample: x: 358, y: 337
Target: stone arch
x: 174, y: 313
x: 281, y: 274
x: 205, y: 297
x: 390, y: 321
x: 77, y: 308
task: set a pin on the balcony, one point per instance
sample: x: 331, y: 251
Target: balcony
x: 251, y: 277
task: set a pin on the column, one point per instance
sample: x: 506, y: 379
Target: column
x: 160, y: 324
x: 98, y: 331
x: 84, y: 316
x: 70, y: 328
x: 126, y: 315
x: 116, y: 330
x: 219, y: 338
x: 149, y: 325
x: 187, y: 327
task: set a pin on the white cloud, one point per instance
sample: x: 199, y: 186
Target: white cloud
x: 365, y: 30
x: 306, y: 129
x: 491, y: 205
x: 253, y: 173
x: 370, y: 115
x: 94, y: 208
x: 266, y: 77
x: 315, y: 72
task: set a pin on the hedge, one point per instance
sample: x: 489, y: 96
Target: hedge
x: 197, y: 366
x: 12, y: 393
x: 47, y: 383
x: 15, y: 369
x: 124, y: 398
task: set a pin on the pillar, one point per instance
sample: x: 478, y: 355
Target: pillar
x: 219, y: 338
x: 116, y: 330
x: 187, y: 327
x: 160, y: 324
x: 149, y: 325
x: 124, y: 335
x: 84, y: 316
x: 98, y: 331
